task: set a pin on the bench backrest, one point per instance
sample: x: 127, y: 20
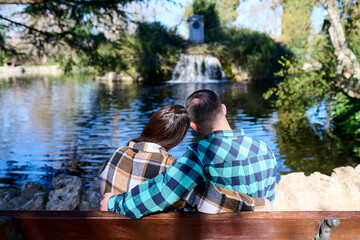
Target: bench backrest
x: 64, y: 225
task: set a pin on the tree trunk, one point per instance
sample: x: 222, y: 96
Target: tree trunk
x: 347, y: 61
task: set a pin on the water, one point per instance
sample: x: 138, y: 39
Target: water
x: 197, y: 68
x: 72, y: 125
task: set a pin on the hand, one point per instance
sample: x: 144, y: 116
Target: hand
x: 268, y: 207
x: 104, y: 202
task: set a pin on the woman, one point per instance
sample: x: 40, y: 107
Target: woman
x: 147, y: 155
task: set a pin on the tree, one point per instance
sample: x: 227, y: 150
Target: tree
x: 227, y: 11
x: 78, y: 25
x: 295, y: 24
x: 332, y: 75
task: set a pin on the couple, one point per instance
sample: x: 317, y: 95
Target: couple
x: 225, y: 172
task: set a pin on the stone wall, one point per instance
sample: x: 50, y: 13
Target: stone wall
x: 18, y: 71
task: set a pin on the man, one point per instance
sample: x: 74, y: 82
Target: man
x: 226, y: 158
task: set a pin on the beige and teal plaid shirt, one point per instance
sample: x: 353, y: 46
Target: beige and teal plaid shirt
x: 138, y: 162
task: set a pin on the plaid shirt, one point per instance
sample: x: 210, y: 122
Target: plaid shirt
x: 138, y: 162
x: 226, y: 159
x: 131, y: 165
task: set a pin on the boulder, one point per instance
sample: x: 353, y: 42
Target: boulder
x: 64, y: 199
x: 30, y: 189
x: 319, y: 192
x: 90, y: 200
x: 6, y: 195
x: 65, y: 180
x: 36, y: 203
x: 17, y: 202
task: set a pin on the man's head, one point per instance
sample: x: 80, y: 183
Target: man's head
x: 206, y: 112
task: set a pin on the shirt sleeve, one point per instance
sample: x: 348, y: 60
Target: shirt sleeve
x: 161, y: 191
x: 207, y: 198
x: 270, y: 193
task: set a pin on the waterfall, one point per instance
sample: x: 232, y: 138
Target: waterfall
x: 197, y: 68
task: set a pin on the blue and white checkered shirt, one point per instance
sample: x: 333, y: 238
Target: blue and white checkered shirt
x: 226, y: 159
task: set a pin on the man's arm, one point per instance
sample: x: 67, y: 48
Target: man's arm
x: 207, y: 198
x: 161, y: 191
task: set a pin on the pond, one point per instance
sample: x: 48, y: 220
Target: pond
x: 72, y: 125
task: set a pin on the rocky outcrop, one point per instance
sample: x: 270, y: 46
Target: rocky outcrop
x: 68, y: 195
x: 319, y: 192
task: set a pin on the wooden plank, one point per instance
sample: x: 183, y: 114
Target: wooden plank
x: 244, y: 225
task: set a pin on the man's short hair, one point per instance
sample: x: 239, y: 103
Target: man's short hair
x: 203, y: 105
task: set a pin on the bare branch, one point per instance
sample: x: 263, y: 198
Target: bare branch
x: 21, y: 1
x: 25, y: 26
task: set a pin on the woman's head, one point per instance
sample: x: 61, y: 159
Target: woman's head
x: 166, y: 127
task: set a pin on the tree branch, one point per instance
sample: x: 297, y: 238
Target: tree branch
x: 26, y: 26
x: 21, y: 1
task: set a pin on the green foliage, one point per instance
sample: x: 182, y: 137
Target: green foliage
x: 255, y: 52
x: 75, y: 29
x: 158, y: 51
x: 303, y: 88
x: 296, y: 24
x: 351, y: 22
x: 150, y: 53
x: 252, y: 51
x: 5, y: 51
x: 346, y: 114
x: 2, y: 43
x: 227, y: 11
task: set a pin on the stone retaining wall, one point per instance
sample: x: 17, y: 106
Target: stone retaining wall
x: 18, y: 71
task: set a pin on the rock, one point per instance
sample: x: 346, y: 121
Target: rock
x: 90, y: 200
x: 357, y: 169
x: 30, y: 189
x: 239, y: 73
x: 6, y: 195
x: 91, y: 197
x: 36, y: 203
x: 65, y: 180
x: 64, y: 199
x: 17, y: 202
x: 319, y: 192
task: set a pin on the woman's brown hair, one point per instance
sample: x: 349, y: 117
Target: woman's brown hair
x: 166, y: 127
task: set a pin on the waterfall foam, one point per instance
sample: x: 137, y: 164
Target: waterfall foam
x: 198, y: 68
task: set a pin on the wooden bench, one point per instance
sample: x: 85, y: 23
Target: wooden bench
x: 65, y: 225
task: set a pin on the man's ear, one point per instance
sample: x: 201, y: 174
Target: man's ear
x: 223, y: 108
x: 194, y: 126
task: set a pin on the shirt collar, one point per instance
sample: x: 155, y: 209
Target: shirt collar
x: 226, y: 133
x: 147, y: 147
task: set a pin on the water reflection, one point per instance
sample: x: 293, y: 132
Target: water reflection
x: 50, y: 126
